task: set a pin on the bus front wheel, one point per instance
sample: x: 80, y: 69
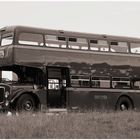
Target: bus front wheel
x: 25, y: 103
x: 124, y: 103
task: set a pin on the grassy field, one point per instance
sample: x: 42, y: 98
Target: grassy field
x: 71, y: 125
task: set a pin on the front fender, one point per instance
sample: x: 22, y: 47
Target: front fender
x: 16, y: 94
x: 38, y: 94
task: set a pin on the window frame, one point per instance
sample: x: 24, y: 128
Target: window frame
x: 135, y: 86
x: 108, y: 79
x: 5, y: 35
x: 96, y: 44
x: 87, y: 44
x: 128, y: 46
x: 121, y: 81
x: 80, y: 47
x: 57, y: 36
x: 30, y: 44
x: 79, y: 79
x: 55, y: 84
x: 0, y: 39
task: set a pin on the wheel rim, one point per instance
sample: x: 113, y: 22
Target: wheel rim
x: 124, y: 106
x: 28, y: 105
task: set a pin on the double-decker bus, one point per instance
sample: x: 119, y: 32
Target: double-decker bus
x: 71, y: 70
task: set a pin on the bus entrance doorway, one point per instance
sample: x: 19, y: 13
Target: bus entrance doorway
x: 57, y: 80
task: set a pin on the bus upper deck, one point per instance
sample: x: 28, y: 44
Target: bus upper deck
x: 20, y: 35
x: 85, y: 53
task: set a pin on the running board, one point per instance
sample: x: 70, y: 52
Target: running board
x: 57, y: 110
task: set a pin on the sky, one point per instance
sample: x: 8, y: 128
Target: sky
x: 114, y: 18
x: 103, y: 17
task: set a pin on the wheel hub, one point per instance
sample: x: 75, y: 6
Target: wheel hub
x: 28, y: 105
x: 124, y: 107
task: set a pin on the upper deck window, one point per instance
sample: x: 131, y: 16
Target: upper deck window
x: 121, y: 47
x: 94, y: 41
x: 78, y: 43
x: 7, y: 39
x: 99, y: 45
x: 72, y: 39
x: 135, y: 48
x: 55, y: 41
x: 30, y: 39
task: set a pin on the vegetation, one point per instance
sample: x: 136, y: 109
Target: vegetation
x: 71, y: 125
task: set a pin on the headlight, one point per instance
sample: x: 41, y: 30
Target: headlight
x: 6, y: 103
x: 6, y: 94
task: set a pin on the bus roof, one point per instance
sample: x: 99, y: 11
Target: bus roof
x: 68, y: 33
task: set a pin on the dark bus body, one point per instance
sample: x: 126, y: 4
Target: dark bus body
x: 61, y: 69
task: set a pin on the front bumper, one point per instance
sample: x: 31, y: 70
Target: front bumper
x: 4, y: 97
x: 4, y: 108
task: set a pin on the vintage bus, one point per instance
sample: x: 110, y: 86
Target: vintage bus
x: 68, y: 70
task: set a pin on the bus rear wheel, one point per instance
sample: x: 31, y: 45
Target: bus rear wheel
x: 123, y: 104
x: 26, y: 103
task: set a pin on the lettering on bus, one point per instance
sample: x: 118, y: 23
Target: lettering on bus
x: 100, y: 97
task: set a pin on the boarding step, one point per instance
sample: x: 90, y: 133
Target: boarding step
x: 57, y: 110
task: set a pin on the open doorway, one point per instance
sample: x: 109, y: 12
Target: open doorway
x: 57, y: 81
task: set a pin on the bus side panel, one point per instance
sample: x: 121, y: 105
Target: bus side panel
x: 84, y: 98
x: 42, y: 96
x: 135, y: 98
x: 79, y: 99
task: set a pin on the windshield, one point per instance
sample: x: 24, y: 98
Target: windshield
x: 23, y: 75
x: 9, y: 76
x: 6, y: 39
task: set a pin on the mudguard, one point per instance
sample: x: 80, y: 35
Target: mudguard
x: 17, y: 93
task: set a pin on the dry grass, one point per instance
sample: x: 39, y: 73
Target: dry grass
x: 71, y: 125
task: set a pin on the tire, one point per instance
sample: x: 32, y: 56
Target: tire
x: 123, y: 104
x: 25, y: 103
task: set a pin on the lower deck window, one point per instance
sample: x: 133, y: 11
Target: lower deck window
x: 100, y: 82
x: 136, y: 84
x: 120, y: 83
x: 53, y: 84
x: 80, y: 81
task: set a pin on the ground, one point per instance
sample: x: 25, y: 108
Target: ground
x: 71, y: 125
